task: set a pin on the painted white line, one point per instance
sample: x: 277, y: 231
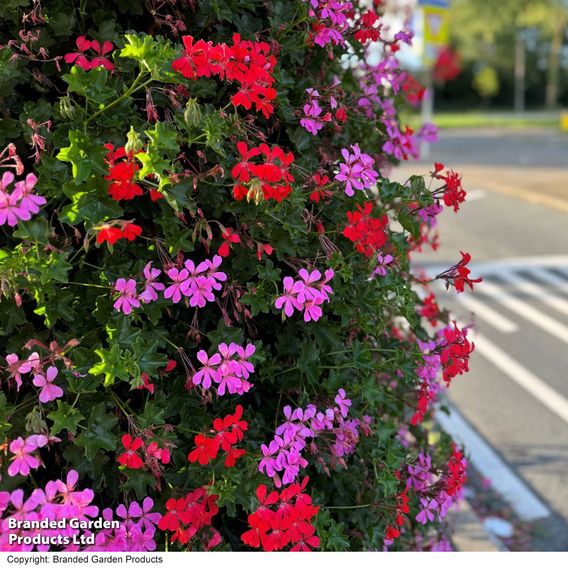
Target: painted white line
x: 523, y: 377
x: 499, y: 322
x: 551, y: 278
x: 475, y: 194
x: 525, y: 310
x: 527, y: 505
x: 559, y: 262
x: 536, y: 291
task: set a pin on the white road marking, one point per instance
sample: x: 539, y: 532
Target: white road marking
x: 551, y: 278
x: 525, y: 310
x: 498, y: 321
x: 527, y: 505
x: 523, y: 377
x: 536, y: 291
x: 559, y: 262
x: 475, y: 194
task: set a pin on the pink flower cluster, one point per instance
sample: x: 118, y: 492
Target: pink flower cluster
x: 356, y: 171
x: 331, y: 21
x: 313, y: 121
x: 283, y: 457
x: 136, y: 532
x: 99, y: 60
x: 18, y: 367
x: 229, y: 369
x: 21, y: 203
x: 434, y: 499
x: 58, y: 500
x: 25, y: 456
x: 196, y: 283
x: 307, y: 294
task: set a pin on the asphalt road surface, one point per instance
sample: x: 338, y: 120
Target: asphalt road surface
x: 513, y: 405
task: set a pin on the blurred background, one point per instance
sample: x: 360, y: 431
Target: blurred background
x: 497, y: 73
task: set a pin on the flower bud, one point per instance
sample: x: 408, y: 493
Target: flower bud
x: 133, y: 142
x: 192, y: 113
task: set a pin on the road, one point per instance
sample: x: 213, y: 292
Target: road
x: 514, y: 402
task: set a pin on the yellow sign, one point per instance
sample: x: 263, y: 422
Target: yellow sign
x: 436, y: 26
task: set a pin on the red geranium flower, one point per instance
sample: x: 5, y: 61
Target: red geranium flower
x: 130, y: 457
x: 207, y: 449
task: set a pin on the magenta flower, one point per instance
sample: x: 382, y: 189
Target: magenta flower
x: 312, y: 310
x: 143, y: 514
x: 23, y: 461
x: 382, y: 263
x: 201, y: 293
x: 17, y: 367
x: 310, y: 292
x: 342, y: 402
x: 178, y: 277
x: 151, y: 287
x: 290, y: 299
x: 128, y: 298
x: 11, y: 210
x: 213, y: 274
x: 356, y: 171
x: 29, y: 201
x: 428, y: 510
x: 49, y: 391
x: 208, y: 372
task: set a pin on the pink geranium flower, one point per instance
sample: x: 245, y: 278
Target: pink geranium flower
x: 49, y: 391
x: 23, y: 461
x: 178, y: 277
x: 128, y: 298
x: 84, y: 45
x: 208, y: 373
x: 151, y: 287
x: 291, y: 297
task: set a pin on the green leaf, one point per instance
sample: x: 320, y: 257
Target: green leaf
x: 90, y: 206
x: 5, y: 411
x: 163, y: 136
x: 36, y: 230
x: 114, y: 364
x: 268, y: 272
x: 98, y: 435
x: 84, y: 155
x: 65, y: 418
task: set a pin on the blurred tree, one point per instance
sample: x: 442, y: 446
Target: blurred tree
x: 498, y: 36
x: 486, y: 83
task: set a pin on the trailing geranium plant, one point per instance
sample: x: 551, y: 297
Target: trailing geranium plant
x: 211, y: 332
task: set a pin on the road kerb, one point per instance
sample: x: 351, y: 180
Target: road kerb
x: 469, y: 534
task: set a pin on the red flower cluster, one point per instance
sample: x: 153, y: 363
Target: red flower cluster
x: 321, y: 191
x: 365, y: 231
x: 447, y: 66
x: 269, y: 179
x: 393, y: 531
x: 366, y: 30
x: 458, y: 275
x: 84, y: 45
x: 121, y: 173
x: 283, y: 519
x: 426, y: 395
x: 453, y: 192
x: 456, y: 476
x: 455, y: 353
x: 131, y: 459
x: 247, y: 63
x: 112, y: 234
x: 229, y: 237
x: 191, y: 516
x: 413, y: 90
x: 430, y: 309
x: 228, y: 432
